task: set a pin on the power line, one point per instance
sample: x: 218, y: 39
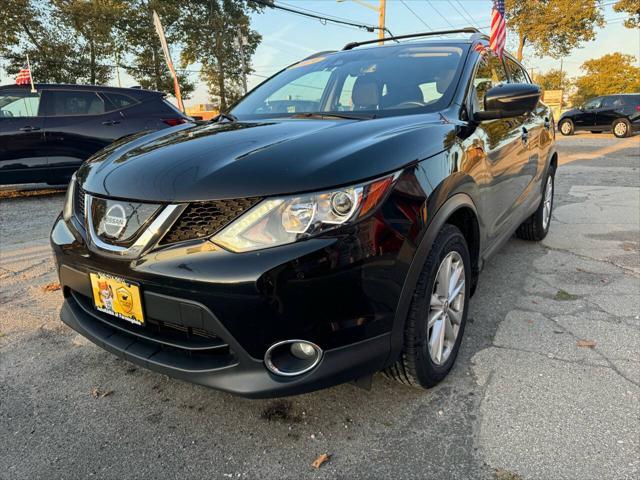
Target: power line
x: 438, y: 12
x: 465, y: 17
x: 416, y: 15
x: 323, y: 19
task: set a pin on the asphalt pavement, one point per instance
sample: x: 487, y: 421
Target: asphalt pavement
x: 547, y: 384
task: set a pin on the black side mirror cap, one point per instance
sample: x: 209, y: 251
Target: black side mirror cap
x: 509, y: 100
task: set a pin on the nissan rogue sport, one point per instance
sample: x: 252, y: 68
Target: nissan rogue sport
x: 331, y: 225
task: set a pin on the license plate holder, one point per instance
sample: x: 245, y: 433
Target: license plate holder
x: 117, y: 296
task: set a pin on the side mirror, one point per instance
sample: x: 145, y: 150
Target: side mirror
x: 509, y: 100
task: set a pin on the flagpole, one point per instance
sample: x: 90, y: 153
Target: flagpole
x: 33, y: 88
x: 167, y: 55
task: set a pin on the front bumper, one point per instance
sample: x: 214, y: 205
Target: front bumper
x: 223, y: 366
x: 340, y: 293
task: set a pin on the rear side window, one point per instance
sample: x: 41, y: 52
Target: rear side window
x: 490, y: 73
x: 69, y: 102
x: 19, y: 103
x: 609, y: 101
x: 516, y: 72
x: 118, y: 101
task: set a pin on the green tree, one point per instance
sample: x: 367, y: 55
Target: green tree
x: 147, y: 63
x: 632, y: 7
x: 209, y: 31
x: 93, y: 22
x: 27, y: 28
x: 611, y: 73
x: 553, y: 27
x: 554, y: 79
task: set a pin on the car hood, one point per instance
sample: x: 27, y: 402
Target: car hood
x: 246, y: 159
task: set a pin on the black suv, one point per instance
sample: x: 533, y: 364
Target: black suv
x: 45, y: 135
x: 619, y: 114
x: 332, y: 225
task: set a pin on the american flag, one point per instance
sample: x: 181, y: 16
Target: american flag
x: 24, y: 76
x: 498, y: 28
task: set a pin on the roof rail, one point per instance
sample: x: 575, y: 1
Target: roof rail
x: 476, y: 34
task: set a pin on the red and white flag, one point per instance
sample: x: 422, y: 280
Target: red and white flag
x: 24, y: 76
x: 498, y: 28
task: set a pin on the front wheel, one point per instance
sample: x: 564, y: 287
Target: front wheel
x: 566, y: 127
x: 536, y: 226
x: 621, y: 128
x: 438, y: 313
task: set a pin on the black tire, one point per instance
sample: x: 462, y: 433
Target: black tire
x: 534, y: 228
x: 621, y: 128
x: 415, y: 366
x: 568, y: 130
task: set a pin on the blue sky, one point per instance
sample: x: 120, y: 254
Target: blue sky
x: 288, y: 37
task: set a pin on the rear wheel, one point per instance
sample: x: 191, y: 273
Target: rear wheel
x: 566, y: 127
x: 621, y: 128
x: 438, y: 313
x: 536, y: 226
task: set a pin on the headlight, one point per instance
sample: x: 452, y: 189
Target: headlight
x: 67, y: 210
x: 278, y: 221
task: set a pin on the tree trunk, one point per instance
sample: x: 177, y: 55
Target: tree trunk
x: 156, y: 67
x: 521, y: 41
x: 221, y: 88
x: 92, y: 65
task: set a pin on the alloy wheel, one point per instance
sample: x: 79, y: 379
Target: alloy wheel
x: 620, y: 129
x: 565, y: 128
x: 446, y: 308
x: 548, y: 203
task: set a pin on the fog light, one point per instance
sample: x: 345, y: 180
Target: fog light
x: 292, y: 357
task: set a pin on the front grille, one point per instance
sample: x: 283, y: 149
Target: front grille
x: 78, y: 204
x: 203, y: 219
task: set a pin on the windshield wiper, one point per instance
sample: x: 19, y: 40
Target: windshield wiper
x: 323, y: 116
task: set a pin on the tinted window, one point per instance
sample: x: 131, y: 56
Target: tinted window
x: 608, y: 101
x: 490, y: 73
x: 19, y: 104
x: 63, y: 103
x: 592, y: 104
x: 118, y: 101
x: 384, y: 81
x: 516, y: 72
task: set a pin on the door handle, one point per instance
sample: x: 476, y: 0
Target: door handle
x: 29, y: 128
x: 525, y: 136
x: 111, y: 122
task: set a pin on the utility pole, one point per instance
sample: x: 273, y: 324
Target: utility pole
x: 381, y: 9
x: 382, y: 13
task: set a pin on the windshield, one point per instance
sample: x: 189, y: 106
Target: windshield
x: 364, y: 83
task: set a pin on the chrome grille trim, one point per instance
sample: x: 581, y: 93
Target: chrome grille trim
x: 147, y: 239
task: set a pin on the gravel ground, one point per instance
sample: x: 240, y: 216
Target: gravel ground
x: 525, y: 400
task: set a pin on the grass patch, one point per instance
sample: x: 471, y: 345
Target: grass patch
x: 564, y: 296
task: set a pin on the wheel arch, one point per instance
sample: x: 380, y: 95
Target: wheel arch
x: 459, y: 210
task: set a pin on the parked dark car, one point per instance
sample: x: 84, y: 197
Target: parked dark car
x: 46, y: 135
x: 619, y: 114
x: 332, y: 225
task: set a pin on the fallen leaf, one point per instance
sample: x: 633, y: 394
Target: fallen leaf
x: 586, y: 343
x: 628, y: 247
x: 97, y: 393
x: 317, y: 463
x: 51, y: 287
